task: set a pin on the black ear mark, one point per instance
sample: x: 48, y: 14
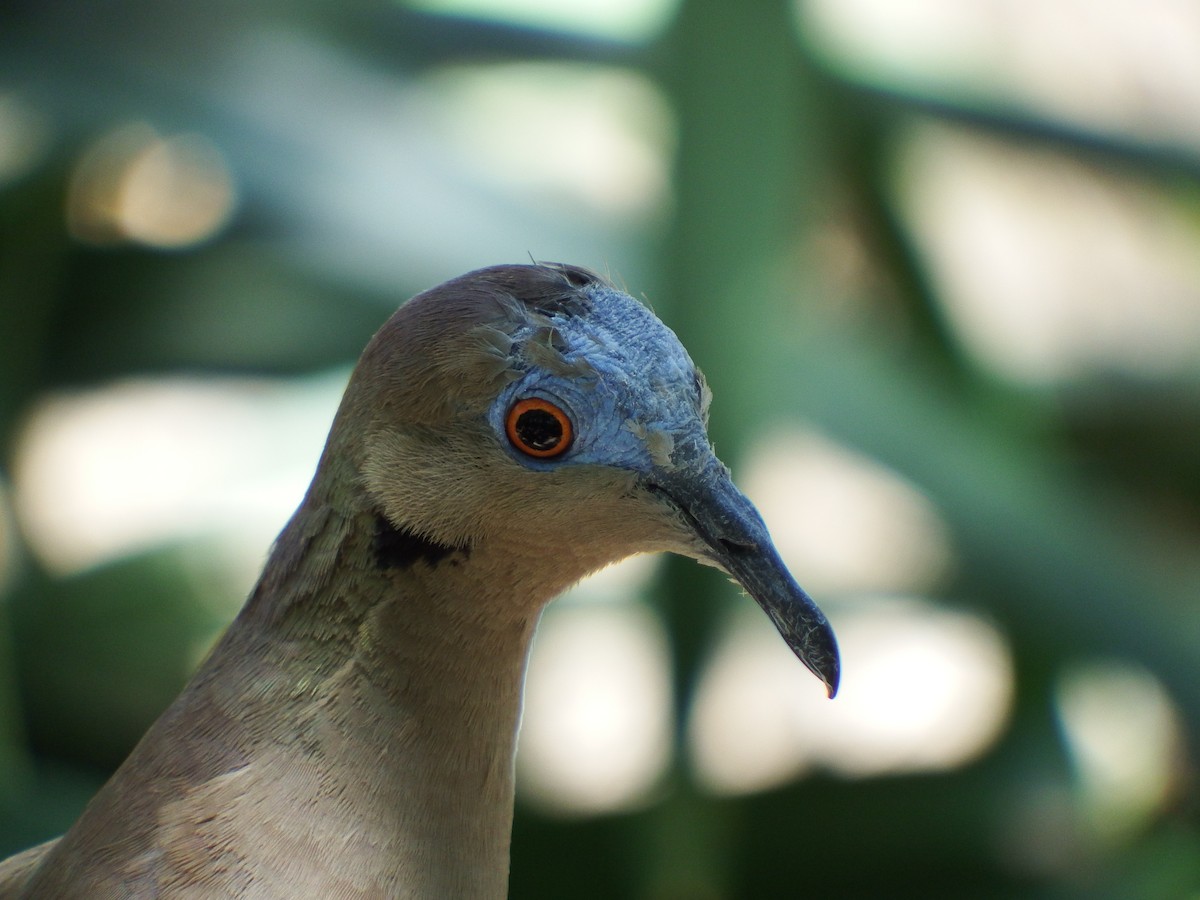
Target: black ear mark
x: 400, y: 548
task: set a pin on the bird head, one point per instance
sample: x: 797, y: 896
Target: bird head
x: 538, y: 409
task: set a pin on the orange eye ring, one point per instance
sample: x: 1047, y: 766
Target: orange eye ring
x: 538, y: 428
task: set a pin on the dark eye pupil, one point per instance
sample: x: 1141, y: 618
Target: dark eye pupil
x: 539, y: 430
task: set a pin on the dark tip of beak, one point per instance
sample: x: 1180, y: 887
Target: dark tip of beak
x: 737, y: 540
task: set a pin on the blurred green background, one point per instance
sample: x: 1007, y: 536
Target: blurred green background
x: 939, y: 260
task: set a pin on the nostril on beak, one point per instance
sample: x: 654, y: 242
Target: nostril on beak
x: 737, y: 548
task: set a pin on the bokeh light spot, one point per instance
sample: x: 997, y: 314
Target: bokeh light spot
x: 924, y: 688
x: 135, y: 185
x: 1125, y: 737
x: 843, y: 522
x: 596, y: 733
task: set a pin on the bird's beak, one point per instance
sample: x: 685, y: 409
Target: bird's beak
x: 736, y: 539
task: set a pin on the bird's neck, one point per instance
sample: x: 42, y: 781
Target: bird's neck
x: 351, y: 735
x: 412, y: 655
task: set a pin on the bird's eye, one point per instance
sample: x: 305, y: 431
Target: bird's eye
x: 538, y: 428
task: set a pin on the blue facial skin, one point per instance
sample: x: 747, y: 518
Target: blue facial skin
x: 636, y: 403
x: 637, y: 399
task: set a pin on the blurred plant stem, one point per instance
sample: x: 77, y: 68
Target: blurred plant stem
x: 743, y: 186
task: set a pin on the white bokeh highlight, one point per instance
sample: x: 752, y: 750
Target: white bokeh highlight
x: 135, y: 465
x: 924, y: 688
x: 1050, y: 270
x: 596, y: 735
x: 842, y: 522
x: 1125, y: 738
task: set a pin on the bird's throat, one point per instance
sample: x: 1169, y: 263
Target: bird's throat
x: 416, y: 697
